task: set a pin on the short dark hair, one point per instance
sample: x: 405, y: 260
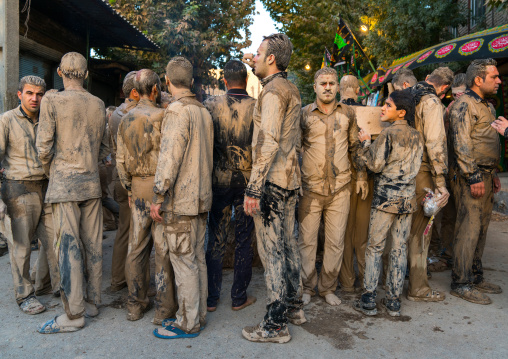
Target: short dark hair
x: 478, y: 68
x: 404, y: 100
x: 128, y: 83
x: 281, y: 47
x: 145, y: 80
x: 441, y: 76
x: 235, y: 73
x: 179, y: 72
x: 404, y: 75
x: 459, y: 80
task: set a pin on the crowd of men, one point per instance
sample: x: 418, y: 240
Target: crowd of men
x: 182, y: 163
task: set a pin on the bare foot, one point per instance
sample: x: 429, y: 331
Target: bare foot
x: 91, y: 310
x: 306, y: 298
x: 64, y: 321
x: 332, y: 299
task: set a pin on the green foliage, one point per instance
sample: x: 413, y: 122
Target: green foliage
x: 497, y: 4
x: 207, y: 32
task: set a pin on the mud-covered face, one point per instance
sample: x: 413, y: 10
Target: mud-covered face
x: 260, y: 68
x: 31, y: 98
x: 490, y: 85
x: 389, y: 112
x: 325, y: 88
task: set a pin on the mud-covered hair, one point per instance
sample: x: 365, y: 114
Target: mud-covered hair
x: 404, y: 75
x: 348, y: 86
x: 179, y: 72
x: 128, y: 83
x: 31, y: 80
x: 145, y: 80
x: 404, y: 100
x: 281, y: 47
x: 325, y: 71
x: 459, y: 80
x: 235, y: 73
x: 478, y: 68
x: 441, y: 76
x: 73, y: 66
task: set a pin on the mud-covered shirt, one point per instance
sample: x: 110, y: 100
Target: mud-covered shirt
x: 326, y: 140
x: 138, y: 141
x: 395, y: 158
x: 183, y: 181
x: 476, y: 143
x: 276, y: 134
x: 115, y: 119
x: 429, y: 121
x: 71, y: 140
x: 232, y: 148
x: 18, y: 154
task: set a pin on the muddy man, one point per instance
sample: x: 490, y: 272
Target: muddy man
x: 329, y: 135
x: 72, y: 139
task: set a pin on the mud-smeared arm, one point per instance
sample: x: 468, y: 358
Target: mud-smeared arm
x: 375, y: 156
x: 355, y: 146
x: 122, y: 153
x: 46, y: 134
x: 435, y: 141
x: 174, y: 139
x: 104, y: 149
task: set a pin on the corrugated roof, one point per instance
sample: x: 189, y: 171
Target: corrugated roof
x: 107, y: 27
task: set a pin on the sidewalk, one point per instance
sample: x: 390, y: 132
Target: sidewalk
x: 450, y: 329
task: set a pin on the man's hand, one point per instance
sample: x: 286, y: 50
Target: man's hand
x: 497, y: 184
x: 248, y: 59
x: 155, y: 210
x: 250, y: 205
x: 362, y: 186
x: 478, y: 189
x: 500, y: 125
x: 3, y: 209
x: 363, y: 135
x: 443, y: 200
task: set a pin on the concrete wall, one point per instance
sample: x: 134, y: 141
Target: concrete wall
x: 9, y: 54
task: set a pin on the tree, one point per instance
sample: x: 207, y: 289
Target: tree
x: 207, y: 32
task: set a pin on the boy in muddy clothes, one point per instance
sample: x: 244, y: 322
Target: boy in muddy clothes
x: 22, y: 195
x: 72, y: 139
x: 183, y: 192
x: 232, y: 163
x: 329, y: 134
x: 273, y: 189
x: 477, y: 149
x: 429, y: 115
x: 395, y: 158
x: 121, y: 194
x: 139, y: 136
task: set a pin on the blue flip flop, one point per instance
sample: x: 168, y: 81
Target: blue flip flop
x: 51, y: 327
x: 168, y: 322
x: 179, y: 333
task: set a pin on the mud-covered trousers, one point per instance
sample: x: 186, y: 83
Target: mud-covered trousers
x: 78, y: 229
x: 122, y: 237
x: 184, y: 242
x: 381, y: 225
x: 355, y: 240
x: 29, y: 217
x: 473, y: 217
x: 334, y: 208
x: 144, y: 232
x: 218, y: 221
x: 278, y: 250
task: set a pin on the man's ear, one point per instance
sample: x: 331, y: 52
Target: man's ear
x: 59, y: 72
x: 167, y: 80
x: 478, y: 81
x: 271, y: 59
x: 402, y: 113
x: 19, y: 94
x: 357, y: 91
x: 86, y: 75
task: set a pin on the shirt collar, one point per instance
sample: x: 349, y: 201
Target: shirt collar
x: 399, y: 122
x: 187, y: 93
x: 476, y: 97
x: 267, y: 79
x: 23, y: 113
x: 146, y: 101
x: 240, y: 92
x: 315, y: 106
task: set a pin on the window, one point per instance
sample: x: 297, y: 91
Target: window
x: 477, y: 8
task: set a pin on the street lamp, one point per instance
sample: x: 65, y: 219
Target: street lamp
x: 364, y: 28
x: 307, y: 67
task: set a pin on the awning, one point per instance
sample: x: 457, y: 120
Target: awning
x: 491, y: 43
x: 105, y: 26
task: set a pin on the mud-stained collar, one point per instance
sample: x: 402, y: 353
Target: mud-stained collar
x: 184, y: 94
x: 399, y: 123
x: 23, y: 113
x: 315, y: 106
x: 476, y: 97
x: 146, y: 102
x: 267, y: 79
x: 238, y: 92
